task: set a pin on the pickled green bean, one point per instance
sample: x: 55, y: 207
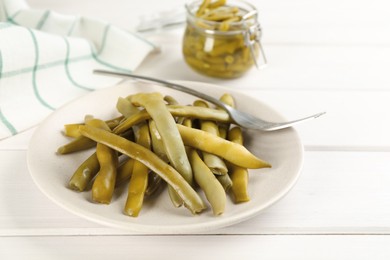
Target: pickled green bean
x: 239, y: 175
x: 213, y: 190
x: 166, y: 126
x: 139, y: 178
x: 235, y: 153
x: 215, y: 163
x: 84, y: 173
x: 104, y: 184
x: 191, y: 199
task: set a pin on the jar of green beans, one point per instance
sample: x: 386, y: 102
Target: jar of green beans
x: 222, y: 37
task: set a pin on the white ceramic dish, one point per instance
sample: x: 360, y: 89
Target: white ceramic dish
x: 51, y: 172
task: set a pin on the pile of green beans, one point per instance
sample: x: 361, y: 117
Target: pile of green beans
x: 154, y: 142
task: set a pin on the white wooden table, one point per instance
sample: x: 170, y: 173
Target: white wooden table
x: 332, y: 56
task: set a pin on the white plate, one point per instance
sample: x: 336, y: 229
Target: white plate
x: 51, y: 172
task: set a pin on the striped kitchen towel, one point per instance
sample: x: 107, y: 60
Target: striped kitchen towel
x: 47, y: 59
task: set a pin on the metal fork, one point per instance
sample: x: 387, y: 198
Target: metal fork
x: 240, y: 118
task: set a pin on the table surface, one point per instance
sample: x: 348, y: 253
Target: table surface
x: 331, y: 56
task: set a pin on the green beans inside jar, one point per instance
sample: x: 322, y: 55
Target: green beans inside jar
x: 222, y: 37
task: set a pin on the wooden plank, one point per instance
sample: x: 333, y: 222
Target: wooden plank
x: 354, y: 120
x: 303, y: 67
x: 325, y: 22
x: 196, y: 247
x: 17, y: 142
x: 338, y: 193
x: 316, y: 22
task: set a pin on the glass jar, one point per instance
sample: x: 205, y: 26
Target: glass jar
x: 224, y: 49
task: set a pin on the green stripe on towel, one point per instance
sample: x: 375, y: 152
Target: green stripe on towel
x: 76, y: 20
x: 45, y: 66
x: 104, y: 38
x: 34, y: 72
x: 1, y: 64
x: 7, y: 124
x: 66, y: 64
x: 143, y: 39
x: 3, y: 119
x: 43, y: 20
x: 108, y: 64
x: 11, y: 19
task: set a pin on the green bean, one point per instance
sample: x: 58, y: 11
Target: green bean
x: 124, y: 172
x: 175, y: 110
x: 154, y: 183
x: 215, y: 163
x: 171, y: 100
x: 171, y: 140
x: 112, y: 123
x: 221, y: 13
x: 81, y: 143
x: 224, y: 127
x: 125, y: 107
x: 239, y: 175
x: 84, y: 173
x: 191, y: 199
x: 166, y: 126
x: 157, y: 142
x: 235, y: 153
x: 104, y: 183
x: 78, y: 144
x: 203, y: 7
x: 225, y: 181
x: 227, y: 99
x: 136, y: 190
x: 216, y: 4
x: 223, y: 130
x: 176, y: 199
x: 72, y: 130
x: 139, y: 179
x: 187, y: 122
x: 213, y: 190
x: 90, y: 167
x: 225, y: 25
x: 159, y: 149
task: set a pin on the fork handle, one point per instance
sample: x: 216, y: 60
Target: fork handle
x: 164, y: 84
